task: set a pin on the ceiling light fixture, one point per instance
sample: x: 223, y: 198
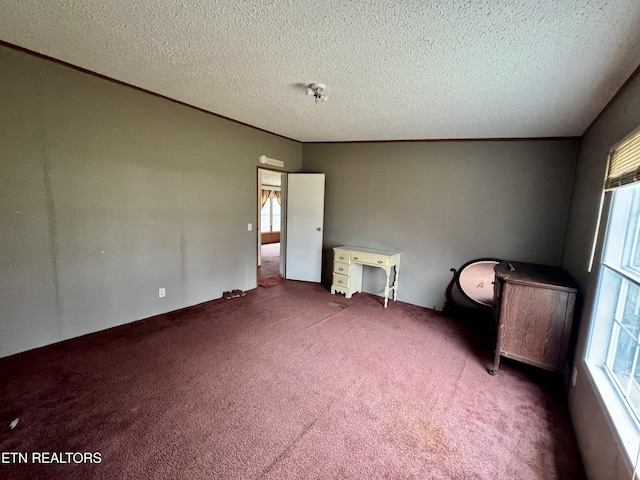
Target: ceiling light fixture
x: 316, y: 90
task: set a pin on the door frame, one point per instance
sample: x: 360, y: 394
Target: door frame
x: 283, y: 232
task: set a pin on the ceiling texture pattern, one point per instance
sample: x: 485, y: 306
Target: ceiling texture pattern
x: 394, y: 69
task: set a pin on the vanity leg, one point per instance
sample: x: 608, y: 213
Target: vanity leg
x: 386, y: 288
x: 395, y: 282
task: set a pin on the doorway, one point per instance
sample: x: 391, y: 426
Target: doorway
x: 290, y: 213
x: 270, y: 231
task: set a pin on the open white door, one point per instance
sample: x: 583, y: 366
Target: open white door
x: 305, y: 223
x: 283, y: 227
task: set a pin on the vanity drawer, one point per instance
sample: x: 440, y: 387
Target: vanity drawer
x: 370, y: 259
x: 341, y: 256
x: 340, y: 280
x: 342, y: 268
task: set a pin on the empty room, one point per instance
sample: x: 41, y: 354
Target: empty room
x: 338, y: 240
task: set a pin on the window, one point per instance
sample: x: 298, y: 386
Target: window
x: 618, y: 299
x: 270, y: 215
x: 613, y: 356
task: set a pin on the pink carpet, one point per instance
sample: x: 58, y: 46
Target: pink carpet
x: 270, y: 281
x: 270, y: 254
x: 281, y: 384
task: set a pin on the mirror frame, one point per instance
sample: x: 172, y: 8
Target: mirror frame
x: 467, y: 265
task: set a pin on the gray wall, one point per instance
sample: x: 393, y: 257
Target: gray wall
x: 444, y: 203
x: 603, y: 457
x: 108, y: 194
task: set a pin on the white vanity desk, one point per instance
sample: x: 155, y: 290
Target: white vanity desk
x: 347, y: 269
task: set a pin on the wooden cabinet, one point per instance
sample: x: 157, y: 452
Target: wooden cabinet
x: 533, y: 307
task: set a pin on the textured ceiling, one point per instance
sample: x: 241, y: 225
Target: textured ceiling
x: 412, y: 69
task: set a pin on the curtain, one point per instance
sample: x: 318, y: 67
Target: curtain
x: 265, y: 196
x: 278, y: 196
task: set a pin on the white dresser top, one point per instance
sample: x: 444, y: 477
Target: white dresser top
x: 366, y: 250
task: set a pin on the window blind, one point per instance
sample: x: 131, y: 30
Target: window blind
x: 623, y: 167
x: 624, y: 162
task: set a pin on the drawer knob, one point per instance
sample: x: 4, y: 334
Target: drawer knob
x: 341, y: 258
x: 339, y: 281
x: 340, y: 269
x: 355, y: 258
x: 379, y: 261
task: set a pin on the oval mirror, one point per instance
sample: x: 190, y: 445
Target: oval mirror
x: 475, y: 280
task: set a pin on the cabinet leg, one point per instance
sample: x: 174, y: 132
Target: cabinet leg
x: 496, y: 365
x: 496, y: 358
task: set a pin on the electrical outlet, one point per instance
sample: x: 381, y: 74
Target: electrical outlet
x: 161, y: 292
x: 574, y: 376
x: 250, y: 227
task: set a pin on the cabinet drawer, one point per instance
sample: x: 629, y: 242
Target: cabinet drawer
x: 370, y: 258
x: 342, y: 268
x: 340, y: 280
x: 341, y: 256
